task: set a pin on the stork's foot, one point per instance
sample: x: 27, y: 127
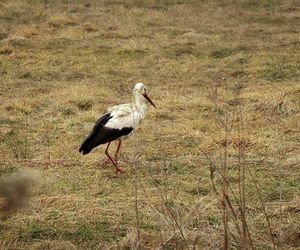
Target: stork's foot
x: 120, y: 170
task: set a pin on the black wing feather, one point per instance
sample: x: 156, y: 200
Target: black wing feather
x: 102, y: 135
x: 91, y: 141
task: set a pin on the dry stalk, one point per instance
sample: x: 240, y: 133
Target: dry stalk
x: 263, y: 206
x: 136, y: 208
x: 232, y: 210
x: 225, y: 197
x: 223, y: 162
x: 245, y: 237
x: 172, y: 215
x: 133, y: 159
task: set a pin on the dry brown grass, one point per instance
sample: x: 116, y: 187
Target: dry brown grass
x: 62, y: 61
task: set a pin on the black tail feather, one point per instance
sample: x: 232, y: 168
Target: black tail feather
x: 86, y: 146
x: 101, y: 135
x: 93, y: 139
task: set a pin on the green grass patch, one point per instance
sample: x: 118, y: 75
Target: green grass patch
x: 8, y: 169
x: 16, y: 141
x: 58, y: 44
x: 37, y: 231
x: 201, y: 191
x: 83, y: 105
x: 178, y: 50
x: 214, y: 220
x: 67, y: 111
x: 97, y: 230
x: 221, y: 53
x: 149, y: 226
x: 160, y: 5
x: 280, y: 68
x: 132, y: 53
x: 21, y: 12
x: 257, y: 4
x: 282, y: 190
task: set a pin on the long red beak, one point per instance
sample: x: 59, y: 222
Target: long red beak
x: 149, y: 100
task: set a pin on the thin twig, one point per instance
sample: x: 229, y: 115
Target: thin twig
x: 170, y: 211
x: 263, y: 206
x: 233, y: 193
x: 138, y: 231
x: 225, y: 197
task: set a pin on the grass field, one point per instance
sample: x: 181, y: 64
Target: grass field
x: 225, y: 76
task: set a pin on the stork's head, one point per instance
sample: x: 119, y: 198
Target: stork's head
x: 140, y: 88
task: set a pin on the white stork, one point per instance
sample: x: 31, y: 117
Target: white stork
x: 118, y: 123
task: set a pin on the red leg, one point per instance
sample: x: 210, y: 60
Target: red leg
x: 117, y: 152
x: 107, y: 154
x: 106, y: 159
x: 120, y: 170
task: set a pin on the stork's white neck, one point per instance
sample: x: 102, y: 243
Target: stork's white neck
x: 139, y: 103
